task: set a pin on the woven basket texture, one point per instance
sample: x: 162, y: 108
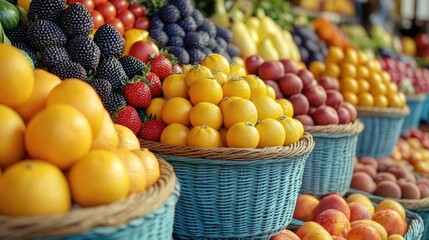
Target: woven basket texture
x: 415, y: 104
x: 329, y: 168
x: 424, y: 117
x: 382, y: 130
x: 236, y: 199
x: 146, y: 215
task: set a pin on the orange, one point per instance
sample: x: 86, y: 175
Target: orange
x: 365, y: 99
x: 239, y: 110
x: 362, y: 57
x: 17, y: 77
x: 98, y: 178
x: 197, y: 72
x: 350, y: 98
x: 317, y: 68
x: 205, y: 113
x: 375, y: 79
x: 237, y: 71
x: 33, y: 187
x: 126, y: 138
x: 271, y: 92
x: 44, y: 82
x: 59, y: 134
x: 378, y: 89
x: 402, y: 98
x: 81, y: 96
x: 155, y: 108
x: 394, y: 100
x: 287, y: 106
x: 216, y: 62
x: 24, y: 4
x: 332, y: 70
x: 220, y: 77
x: 175, y: 133
x: 271, y: 133
x: 175, y: 86
x: 335, y: 55
x: 267, y: 107
x: 204, y: 137
x: 236, y: 87
x: 151, y: 165
x: 222, y: 132
x: 348, y: 70
x: 363, y: 85
x: 176, y: 110
x: 12, y: 130
x: 362, y: 72
x: 386, y: 77
x: 107, y: 138
x: 226, y: 100
x: 380, y: 101
x: 351, y: 56
x: 186, y: 68
x: 293, y: 130
x: 242, y: 135
x: 392, y: 87
x: 206, y: 90
x: 135, y: 168
x: 257, y: 86
x: 349, y: 84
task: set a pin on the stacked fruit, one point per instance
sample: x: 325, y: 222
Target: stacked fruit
x: 386, y: 177
x: 311, y: 48
x: 314, y: 102
x: 330, y: 33
x: 51, y: 127
x: 189, y: 36
x: 355, y: 218
x: 362, y: 80
x: 223, y: 106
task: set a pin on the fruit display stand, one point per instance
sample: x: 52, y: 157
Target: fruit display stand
x: 382, y: 130
x: 415, y: 104
x: 424, y: 116
x: 145, y: 215
x: 235, y: 192
x: 326, y: 170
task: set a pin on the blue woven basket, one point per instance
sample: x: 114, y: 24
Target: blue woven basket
x: 415, y: 104
x: 235, y: 193
x: 329, y: 168
x: 101, y: 222
x: 382, y: 130
x: 424, y: 116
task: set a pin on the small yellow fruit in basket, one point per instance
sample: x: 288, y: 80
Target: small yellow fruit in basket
x: 12, y: 130
x: 151, y: 164
x: 204, y: 137
x: 135, y: 167
x: 175, y: 86
x: 215, y: 62
x: 271, y: 133
x: 293, y: 129
x: 126, y: 138
x: 205, y: 113
x: 197, y: 72
x: 175, y: 134
x: 107, y: 138
x: 242, y: 135
x: 239, y: 110
x: 176, y: 110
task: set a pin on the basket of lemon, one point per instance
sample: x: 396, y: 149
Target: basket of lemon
x: 416, y: 104
x: 329, y: 167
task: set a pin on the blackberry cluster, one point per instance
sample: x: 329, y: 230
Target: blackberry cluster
x: 182, y: 29
x: 310, y: 46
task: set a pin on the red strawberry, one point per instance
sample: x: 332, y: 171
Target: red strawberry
x: 129, y: 117
x: 137, y: 94
x: 161, y: 66
x: 152, y: 130
x: 155, y: 85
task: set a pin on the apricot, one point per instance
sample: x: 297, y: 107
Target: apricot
x: 388, y: 189
x: 390, y: 220
x: 363, y: 232
x: 364, y: 200
x: 380, y: 229
x: 358, y: 211
x: 305, y: 209
x: 363, y: 181
x: 334, y: 221
x: 392, y: 204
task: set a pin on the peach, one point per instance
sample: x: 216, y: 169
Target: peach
x: 358, y: 211
x: 364, y: 200
x: 317, y: 235
x: 366, y: 168
x: 388, y: 189
x: 363, y: 181
x: 334, y: 221
x: 305, y: 208
x: 380, y: 229
x: 286, y: 235
x: 395, y: 237
x: 369, y: 161
x: 363, y: 232
x: 424, y: 189
x: 409, y: 189
x: 384, y: 176
x: 391, y: 204
x: 390, y: 220
x: 338, y: 238
x: 308, y: 227
x: 333, y: 201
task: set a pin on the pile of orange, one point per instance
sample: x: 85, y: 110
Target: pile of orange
x: 59, y: 145
x: 214, y: 104
x: 362, y: 80
x: 330, y: 33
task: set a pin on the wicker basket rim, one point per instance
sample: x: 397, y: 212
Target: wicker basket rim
x: 416, y: 97
x: 303, y: 146
x: 84, y: 219
x: 352, y: 128
x: 383, y: 112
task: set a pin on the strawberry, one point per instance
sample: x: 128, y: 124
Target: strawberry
x: 161, y: 66
x: 152, y: 129
x: 155, y: 85
x: 129, y: 117
x: 137, y: 94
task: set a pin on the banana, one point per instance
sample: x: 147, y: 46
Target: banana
x: 293, y: 48
x: 267, y: 50
x: 220, y: 17
x: 281, y: 44
x: 253, y: 22
x: 242, y: 39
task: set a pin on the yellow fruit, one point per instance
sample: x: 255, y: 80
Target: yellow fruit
x: 236, y: 87
x: 386, y: 77
x: 365, y: 99
x: 378, y: 89
x: 176, y: 110
x: 126, y: 138
x: 135, y: 168
x: 16, y: 78
x: 348, y: 70
x: 317, y: 68
x: 186, y: 68
x: 332, y: 70
x: 335, y: 54
x: 204, y: 137
x: 12, y: 130
x: 271, y: 133
x: 293, y: 130
x: 59, y: 134
x: 363, y: 85
x: 175, y: 134
x: 362, y: 57
x: 402, y: 98
x: 242, y: 135
x: 266, y: 107
x: 151, y: 165
x: 206, y: 90
x: 44, y: 82
x: 350, y: 98
x: 155, y: 108
x: 98, y: 178
x: 222, y: 132
x: 351, y: 56
x: 25, y: 4
x: 391, y: 204
x: 220, y: 77
x: 216, y: 62
x: 33, y: 187
x: 394, y: 100
x: 239, y: 110
x: 362, y: 72
x: 197, y: 72
x: 81, y: 96
x: 375, y: 79
x: 205, y: 113
x: 348, y: 84
x: 380, y: 101
x: 175, y: 86
x: 270, y: 92
x: 237, y: 71
x: 392, y: 87
x: 226, y: 100
x: 257, y: 86
x: 107, y: 138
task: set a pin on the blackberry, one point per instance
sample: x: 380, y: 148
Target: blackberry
x: 188, y: 24
x: 156, y: 23
x: 44, y: 33
x: 101, y: 86
x: 212, y: 43
x: 84, y: 51
x: 69, y: 69
x: 181, y: 54
x: 113, y: 102
x: 17, y: 34
x: 132, y: 66
x: 76, y: 20
x: 29, y: 50
x: 174, y: 30
x: 195, y: 55
x: 208, y: 27
x: 54, y: 55
x: 232, y: 50
x: 205, y: 37
x: 169, y: 13
x: 221, y: 43
x: 45, y: 9
x: 142, y: 113
x: 109, y: 40
x: 206, y: 51
x: 198, y: 17
x: 185, y: 7
x: 224, y: 33
x: 176, y: 42
x: 193, y: 39
x: 111, y: 69
x: 159, y: 36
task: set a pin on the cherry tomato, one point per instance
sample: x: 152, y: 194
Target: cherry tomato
x: 127, y: 18
x: 107, y: 10
x: 143, y: 49
x: 120, y: 4
x: 97, y: 2
x: 117, y: 24
x: 142, y: 23
x: 89, y: 4
x: 138, y: 10
x: 97, y: 18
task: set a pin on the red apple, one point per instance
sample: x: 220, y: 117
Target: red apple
x: 316, y: 95
x: 422, y: 40
x: 143, y: 49
x: 343, y: 115
x: 276, y: 88
x: 300, y: 104
x: 311, y: 110
x: 334, y: 98
x: 306, y: 76
x: 290, y: 84
x: 325, y: 115
x: 305, y: 120
x: 271, y: 70
x: 253, y: 63
x: 289, y: 65
x: 329, y: 83
x: 352, y: 110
